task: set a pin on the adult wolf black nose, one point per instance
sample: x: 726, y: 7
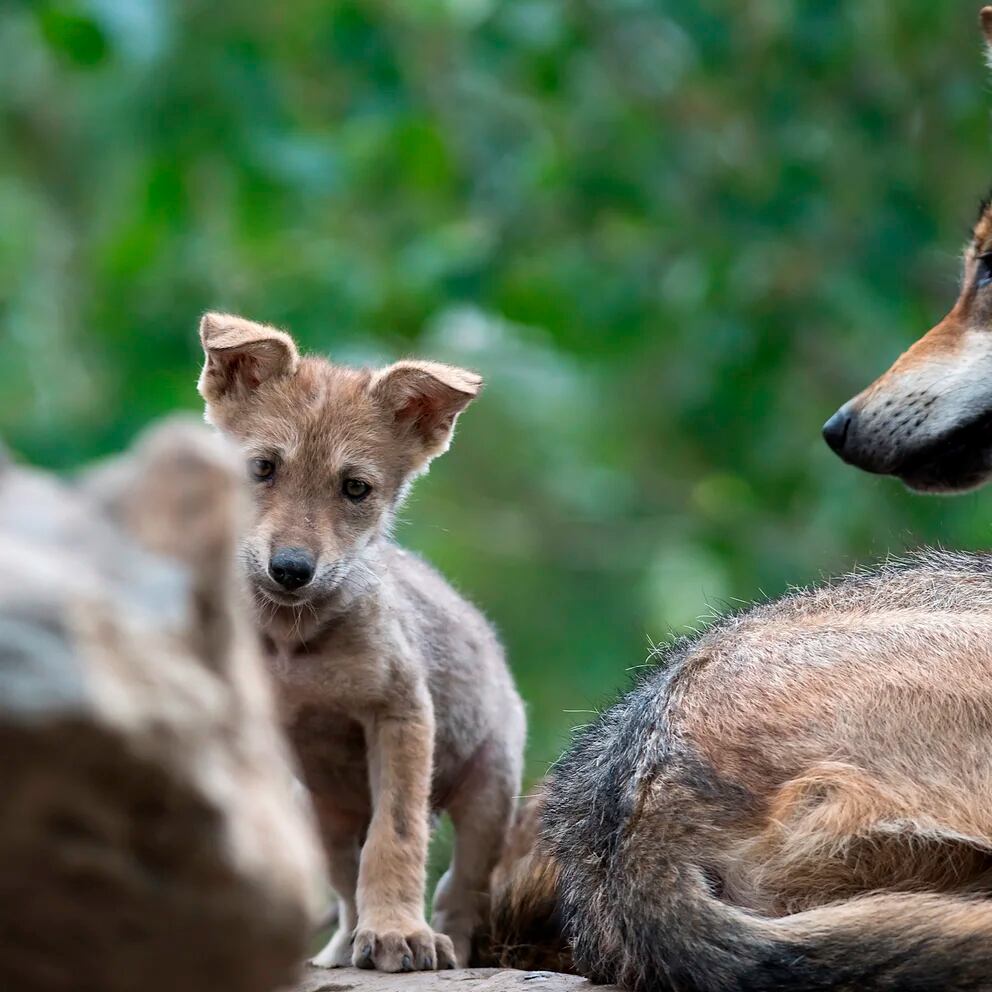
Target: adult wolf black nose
x: 835, y: 430
x: 292, y: 567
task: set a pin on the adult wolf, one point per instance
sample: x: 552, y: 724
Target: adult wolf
x: 801, y: 798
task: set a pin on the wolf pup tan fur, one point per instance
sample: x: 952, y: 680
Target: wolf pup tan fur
x: 394, y: 690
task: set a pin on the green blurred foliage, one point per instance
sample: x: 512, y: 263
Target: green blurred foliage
x: 674, y: 236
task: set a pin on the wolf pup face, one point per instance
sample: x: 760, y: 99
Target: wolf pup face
x: 329, y: 452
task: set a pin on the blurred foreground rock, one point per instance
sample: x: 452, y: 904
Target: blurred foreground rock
x: 463, y: 980
x: 149, y: 837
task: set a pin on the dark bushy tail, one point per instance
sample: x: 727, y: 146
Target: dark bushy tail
x: 651, y: 925
x: 624, y: 821
x: 671, y: 933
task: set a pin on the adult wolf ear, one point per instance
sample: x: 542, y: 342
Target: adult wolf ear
x: 241, y: 355
x: 426, y: 398
x: 985, y: 16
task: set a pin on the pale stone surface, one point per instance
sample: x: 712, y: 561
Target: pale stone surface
x: 149, y: 835
x: 462, y: 980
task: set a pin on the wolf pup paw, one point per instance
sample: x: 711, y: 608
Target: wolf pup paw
x: 395, y: 950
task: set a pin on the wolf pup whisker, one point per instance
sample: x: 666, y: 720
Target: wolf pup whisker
x: 394, y: 690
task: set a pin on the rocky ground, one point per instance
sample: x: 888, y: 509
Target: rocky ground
x: 462, y: 980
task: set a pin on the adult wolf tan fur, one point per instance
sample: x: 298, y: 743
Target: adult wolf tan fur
x: 394, y: 690
x: 722, y: 826
x: 801, y: 798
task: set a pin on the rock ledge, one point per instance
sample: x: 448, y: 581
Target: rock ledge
x: 462, y: 980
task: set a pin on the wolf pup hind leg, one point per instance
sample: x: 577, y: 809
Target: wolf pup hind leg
x: 393, y: 688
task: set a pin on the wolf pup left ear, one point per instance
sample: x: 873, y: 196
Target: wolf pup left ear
x: 426, y: 399
x: 985, y: 17
x: 241, y: 355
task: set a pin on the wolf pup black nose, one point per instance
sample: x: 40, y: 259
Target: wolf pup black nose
x: 292, y: 568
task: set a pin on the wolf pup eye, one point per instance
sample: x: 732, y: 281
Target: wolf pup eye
x: 984, y: 270
x: 261, y: 469
x: 356, y: 489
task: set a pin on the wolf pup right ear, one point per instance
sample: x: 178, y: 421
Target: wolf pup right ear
x: 425, y: 399
x: 241, y: 355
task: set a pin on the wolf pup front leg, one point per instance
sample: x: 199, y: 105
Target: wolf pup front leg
x: 392, y: 933
x: 394, y: 690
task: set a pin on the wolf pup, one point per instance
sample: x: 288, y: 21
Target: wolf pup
x: 394, y: 690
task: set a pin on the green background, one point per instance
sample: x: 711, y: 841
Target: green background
x: 673, y: 236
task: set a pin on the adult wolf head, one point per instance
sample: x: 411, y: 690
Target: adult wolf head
x: 928, y: 419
